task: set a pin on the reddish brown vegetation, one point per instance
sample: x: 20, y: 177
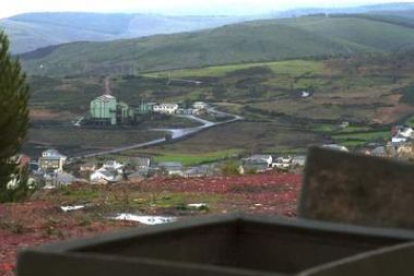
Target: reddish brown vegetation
x: 270, y: 193
x: 41, y: 220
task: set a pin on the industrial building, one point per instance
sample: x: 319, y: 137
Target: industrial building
x: 103, y: 110
x: 106, y: 110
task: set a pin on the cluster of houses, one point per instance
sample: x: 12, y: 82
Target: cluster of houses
x: 400, y: 146
x: 107, y: 110
x: 139, y: 168
x: 197, y: 108
x: 264, y: 162
x: 52, y: 168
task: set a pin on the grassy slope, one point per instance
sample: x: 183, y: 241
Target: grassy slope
x: 290, y: 67
x: 374, y: 34
x: 233, y: 44
x: 255, y: 41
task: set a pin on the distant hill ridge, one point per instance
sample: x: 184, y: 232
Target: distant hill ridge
x: 31, y: 31
x: 254, y: 41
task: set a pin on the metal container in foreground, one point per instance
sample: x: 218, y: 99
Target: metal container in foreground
x: 229, y: 246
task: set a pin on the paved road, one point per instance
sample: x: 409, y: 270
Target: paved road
x: 177, y: 133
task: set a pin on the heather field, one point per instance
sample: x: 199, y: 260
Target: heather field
x: 40, y: 219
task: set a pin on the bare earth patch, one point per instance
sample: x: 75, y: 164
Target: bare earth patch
x: 386, y: 115
x: 48, y: 114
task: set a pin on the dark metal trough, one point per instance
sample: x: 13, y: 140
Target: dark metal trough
x: 229, y: 246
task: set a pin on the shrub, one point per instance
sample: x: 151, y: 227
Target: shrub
x: 230, y: 168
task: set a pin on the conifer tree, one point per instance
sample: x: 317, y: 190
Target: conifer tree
x: 14, y: 117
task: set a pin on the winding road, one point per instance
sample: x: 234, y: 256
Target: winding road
x: 176, y: 133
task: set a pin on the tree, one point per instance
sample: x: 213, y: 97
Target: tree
x: 14, y: 116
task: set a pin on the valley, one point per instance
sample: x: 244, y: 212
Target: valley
x: 139, y: 119
x: 295, y: 81
x: 305, y: 99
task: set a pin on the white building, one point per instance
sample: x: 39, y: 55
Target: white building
x: 406, y: 132
x: 165, y: 108
x: 103, y: 175
x: 52, y: 159
x: 398, y: 140
x: 200, y: 105
x: 283, y: 162
x: 335, y: 147
x: 112, y: 165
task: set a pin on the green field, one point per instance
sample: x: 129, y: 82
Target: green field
x: 195, y: 159
x: 361, y: 138
x: 291, y: 67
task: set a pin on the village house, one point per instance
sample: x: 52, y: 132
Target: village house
x: 402, y: 131
x: 397, y: 140
x: 111, y: 171
x: 200, y: 171
x: 103, y: 175
x: 257, y: 163
x: 56, y: 179
x: 201, y: 112
x: 112, y: 165
x: 200, y: 105
x: 172, y: 168
x: 87, y: 167
x: 401, y: 135
x: 166, y: 108
x: 52, y: 160
x: 282, y: 162
x: 259, y: 159
x: 139, y: 162
x: 335, y: 147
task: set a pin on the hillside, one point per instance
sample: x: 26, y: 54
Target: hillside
x: 256, y: 41
x: 369, y: 92
x: 31, y: 31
